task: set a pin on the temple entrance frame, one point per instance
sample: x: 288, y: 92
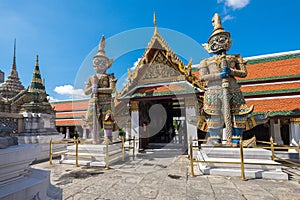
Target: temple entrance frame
x: 176, y: 109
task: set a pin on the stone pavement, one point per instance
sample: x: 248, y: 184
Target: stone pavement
x: 163, y: 174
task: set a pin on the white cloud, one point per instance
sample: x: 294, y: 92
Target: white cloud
x: 135, y: 64
x: 70, y: 91
x: 235, y: 4
x: 51, y: 99
x: 227, y: 18
x: 195, y: 66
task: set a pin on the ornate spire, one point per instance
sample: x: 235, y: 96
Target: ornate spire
x: 37, y: 61
x: 154, y: 22
x: 36, y: 84
x: 12, y: 85
x: 37, y: 98
x: 14, y: 66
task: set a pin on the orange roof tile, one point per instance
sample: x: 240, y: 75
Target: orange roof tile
x: 70, y: 114
x: 275, y: 68
x: 286, y: 67
x: 282, y: 86
x: 70, y: 122
x: 69, y: 106
x: 196, y: 74
x: 275, y: 105
x: 161, y: 88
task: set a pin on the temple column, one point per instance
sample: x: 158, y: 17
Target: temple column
x: 128, y: 130
x: 84, y: 133
x: 275, y: 131
x: 61, y: 130
x: 294, y: 132
x: 191, y: 130
x: 67, y: 133
x: 134, y: 109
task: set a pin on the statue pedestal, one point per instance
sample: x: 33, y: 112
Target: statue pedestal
x: 93, y: 154
x: 18, y: 180
x: 257, y: 156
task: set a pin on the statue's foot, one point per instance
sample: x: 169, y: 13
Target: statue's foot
x: 228, y: 144
x: 235, y: 143
x: 215, y: 141
x: 217, y: 144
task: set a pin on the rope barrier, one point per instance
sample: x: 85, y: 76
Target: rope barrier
x: 128, y: 147
x: 51, y: 153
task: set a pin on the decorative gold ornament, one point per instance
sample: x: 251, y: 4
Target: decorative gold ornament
x: 134, y: 106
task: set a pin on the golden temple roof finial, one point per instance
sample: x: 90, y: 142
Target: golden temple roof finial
x: 14, y: 59
x: 37, y: 60
x: 154, y: 18
x: 154, y: 22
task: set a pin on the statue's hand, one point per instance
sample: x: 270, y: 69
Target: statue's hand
x: 223, y: 75
x: 225, y: 72
x: 226, y: 69
x: 94, y: 88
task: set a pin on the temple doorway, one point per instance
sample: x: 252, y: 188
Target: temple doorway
x: 162, y: 122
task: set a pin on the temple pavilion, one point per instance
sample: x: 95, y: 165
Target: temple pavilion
x: 158, y: 104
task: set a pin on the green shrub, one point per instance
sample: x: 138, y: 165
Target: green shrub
x: 122, y: 132
x: 101, y: 132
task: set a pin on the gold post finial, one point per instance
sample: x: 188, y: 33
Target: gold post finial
x: 154, y: 22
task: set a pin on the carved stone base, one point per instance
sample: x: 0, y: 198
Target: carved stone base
x: 19, y: 181
x: 43, y: 144
x: 93, y: 155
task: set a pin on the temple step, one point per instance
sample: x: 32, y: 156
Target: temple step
x: 226, y: 162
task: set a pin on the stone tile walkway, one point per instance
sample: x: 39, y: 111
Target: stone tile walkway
x: 163, y: 174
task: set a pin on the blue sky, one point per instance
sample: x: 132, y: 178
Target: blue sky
x: 65, y: 33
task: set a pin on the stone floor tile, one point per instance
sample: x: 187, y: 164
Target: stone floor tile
x: 157, y: 176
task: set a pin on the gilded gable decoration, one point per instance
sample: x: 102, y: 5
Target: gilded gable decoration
x: 160, y: 70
